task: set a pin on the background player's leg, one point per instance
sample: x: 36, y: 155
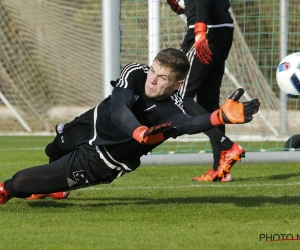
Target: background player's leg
x: 219, y: 141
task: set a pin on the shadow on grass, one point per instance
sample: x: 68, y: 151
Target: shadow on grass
x: 269, y: 177
x: 252, y: 201
x: 255, y: 201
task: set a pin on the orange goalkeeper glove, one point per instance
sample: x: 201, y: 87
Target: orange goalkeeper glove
x: 234, y: 112
x: 155, y: 134
x: 203, y: 51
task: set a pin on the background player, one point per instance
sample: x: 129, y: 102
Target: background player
x: 207, y: 44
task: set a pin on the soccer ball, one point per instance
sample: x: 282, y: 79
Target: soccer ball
x: 288, y: 75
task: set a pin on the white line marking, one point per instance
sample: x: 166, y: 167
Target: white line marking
x: 21, y: 149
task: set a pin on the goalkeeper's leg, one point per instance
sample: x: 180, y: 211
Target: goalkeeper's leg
x: 78, y: 169
x: 54, y: 152
x: 44, y: 179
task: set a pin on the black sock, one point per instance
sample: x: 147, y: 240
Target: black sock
x: 218, y: 140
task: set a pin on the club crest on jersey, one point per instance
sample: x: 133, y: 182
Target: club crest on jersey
x: 60, y: 128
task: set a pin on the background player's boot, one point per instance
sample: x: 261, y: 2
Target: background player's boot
x: 210, y: 174
x: 205, y: 177
x: 228, y: 158
x: 4, y: 195
x: 227, y: 177
x: 57, y: 195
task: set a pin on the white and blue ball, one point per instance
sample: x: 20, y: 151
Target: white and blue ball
x: 288, y: 75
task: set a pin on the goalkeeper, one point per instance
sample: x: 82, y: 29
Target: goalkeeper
x: 108, y: 140
x: 207, y: 44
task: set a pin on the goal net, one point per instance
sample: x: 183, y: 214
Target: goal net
x: 51, y: 62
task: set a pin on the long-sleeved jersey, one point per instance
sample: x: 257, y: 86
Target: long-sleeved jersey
x: 110, y: 124
x: 212, y: 12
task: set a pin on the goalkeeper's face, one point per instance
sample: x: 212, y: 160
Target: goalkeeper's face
x: 161, y: 82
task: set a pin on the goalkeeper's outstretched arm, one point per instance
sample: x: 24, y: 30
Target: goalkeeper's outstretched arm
x: 231, y: 112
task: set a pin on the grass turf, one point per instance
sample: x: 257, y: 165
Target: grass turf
x: 155, y: 207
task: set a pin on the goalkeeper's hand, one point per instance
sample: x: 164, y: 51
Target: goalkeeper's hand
x: 155, y: 134
x: 177, y: 6
x: 203, y: 51
x: 234, y: 112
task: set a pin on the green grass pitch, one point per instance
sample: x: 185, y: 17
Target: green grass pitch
x: 155, y: 207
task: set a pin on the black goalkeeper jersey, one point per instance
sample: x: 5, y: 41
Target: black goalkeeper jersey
x: 211, y: 12
x: 110, y: 125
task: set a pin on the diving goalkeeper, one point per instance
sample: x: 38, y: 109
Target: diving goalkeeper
x: 107, y: 141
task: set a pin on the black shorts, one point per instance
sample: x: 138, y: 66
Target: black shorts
x: 84, y: 167
x: 80, y: 168
x: 204, y: 81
